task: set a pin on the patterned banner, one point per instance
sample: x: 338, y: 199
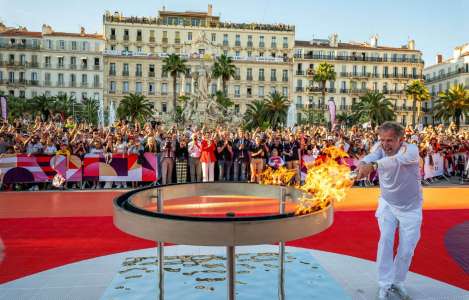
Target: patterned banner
x: 20, y: 168
x: 24, y: 168
x: 121, y: 167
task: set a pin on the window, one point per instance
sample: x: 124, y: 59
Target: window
x: 249, y: 74
x: 187, y: 88
x: 139, y: 35
x: 273, y: 75
x: 125, y: 87
x: 164, y: 107
x: 138, y: 88
x: 213, y: 89
x: 261, y: 74
x: 285, y: 75
x: 285, y: 91
x: 96, y: 62
x: 189, y: 36
x: 260, y: 92
x: 249, y: 91
x: 49, y: 44
x: 84, y: 80
x: 84, y: 46
x: 164, y: 88
x: 285, y: 42
x: 225, y: 39
x: 125, y: 71
x: 261, y: 41
x: 74, y: 45
x: 62, y: 44
x: 84, y: 95
x: 112, y: 69
x: 96, y: 81
x: 112, y: 87
x: 60, y: 79
x: 273, y: 89
x: 214, y: 37
x: 237, y: 92
x: 138, y: 70
x: 151, y: 88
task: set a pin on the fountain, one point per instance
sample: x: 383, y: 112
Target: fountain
x: 112, y: 114
x: 101, y: 112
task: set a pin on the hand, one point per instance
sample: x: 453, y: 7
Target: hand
x: 364, y: 170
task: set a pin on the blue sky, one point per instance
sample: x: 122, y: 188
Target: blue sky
x: 436, y: 26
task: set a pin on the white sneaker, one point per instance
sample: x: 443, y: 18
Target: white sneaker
x: 384, y: 293
x: 400, y: 291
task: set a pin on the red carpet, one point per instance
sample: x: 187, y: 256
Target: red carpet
x: 38, y: 244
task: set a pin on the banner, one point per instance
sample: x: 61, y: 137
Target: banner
x: 332, y: 111
x: 121, y: 167
x: 435, y: 170
x: 24, y: 168
x: 4, y: 107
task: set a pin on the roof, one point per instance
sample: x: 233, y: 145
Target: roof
x: 351, y: 46
x: 78, y: 35
x: 16, y: 32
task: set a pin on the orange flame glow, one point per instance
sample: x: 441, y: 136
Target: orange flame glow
x: 326, y: 181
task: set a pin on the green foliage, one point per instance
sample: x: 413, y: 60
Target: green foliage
x: 418, y: 92
x: 135, y: 108
x: 453, y: 103
x: 374, y: 107
x: 224, y: 68
x: 174, y: 65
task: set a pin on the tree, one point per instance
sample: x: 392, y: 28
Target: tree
x: 136, y: 108
x: 17, y: 107
x: 64, y: 105
x: 88, y: 110
x: 374, y: 107
x: 43, y: 105
x: 453, y: 103
x: 276, y: 109
x: 223, y: 101
x: 418, y: 92
x: 322, y: 74
x: 224, y: 68
x: 344, y: 118
x: 174, y: 65
x: 255, y: 114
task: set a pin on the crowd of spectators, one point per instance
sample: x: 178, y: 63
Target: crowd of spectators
x: 192, y: 154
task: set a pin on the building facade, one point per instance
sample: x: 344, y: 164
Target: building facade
x: 360, y: 68
x: 444, y: 74
x: 136, y: 47
x: 51, y: 63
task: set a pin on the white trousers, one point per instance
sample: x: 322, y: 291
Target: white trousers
x: 208, y: 171
x: 394, y: 269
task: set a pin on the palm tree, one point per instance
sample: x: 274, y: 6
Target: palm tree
x: 277, y: 109
x: 174, y: 65
x: 418, y: 92
x: 88, y: 110
x: 374, y: 107
x: 224, y: 68
x: 223, y: 101
x: 344, y: 118
x: 322, y: 74
x: 43, y: 105
x: 255, y: 114
x: 313, y: 115
x: 17, y: 107
x: 136, y: 108
x: 453, y: 103
x: 65, y: 105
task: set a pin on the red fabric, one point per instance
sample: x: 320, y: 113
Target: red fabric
x: 38, y: 244
x: 208, y: 152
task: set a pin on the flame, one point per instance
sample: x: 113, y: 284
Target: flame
x: 327, y: 180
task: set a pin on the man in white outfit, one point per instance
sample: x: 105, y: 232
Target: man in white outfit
x: 400, y: 205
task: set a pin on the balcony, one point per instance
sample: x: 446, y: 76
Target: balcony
x: 261, y: 44
x: 151, y: 92
x: 138, y: 74
x: 84, y: 84
x: 177, y: 41
x: 96, y: 84
x: 188, y: 75
x: 125, y: 73
x: 19, y: 46
x: 300, y: 89
x: 151, y: 74
x: 164, y: 40
x: 47, y: 65
x: 60, y: 66
x: 285, y: 46
x: 446, y: 75
x: 151, y: 39
x: 261, y: 78
x: 225, y: 43
x: 126, y: 37
x: 249, y: 77
x: 112, y: 37
x: 139, y: 38
x: 249, y: 44
x: 360, y: 58
x: 300, y: 72
x: 238, y: 44
x: 60, y: 84
x: 359, y: 91
x: 273, y: 78
x: 236, y: 77
x: 47, y: 83
x: 344, y: 91
x: 273, y: 45
x: 73, y: 66
x: 300, y: 106
x: 285, y: 79
x: 112, y: 72
x: 112, y: 91
x: 73, y: 84
x: 84, y: 66
x: 96, y: 67
x: 375, y: 75
x: 313, y: 90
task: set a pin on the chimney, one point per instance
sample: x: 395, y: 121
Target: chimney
x: 374, y: 41
x: 210, y: 10
x: 164, y: 8
x: 82, y: 30
x: 46, y: 29
x: 439, y: 58
x: 411, y: 45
